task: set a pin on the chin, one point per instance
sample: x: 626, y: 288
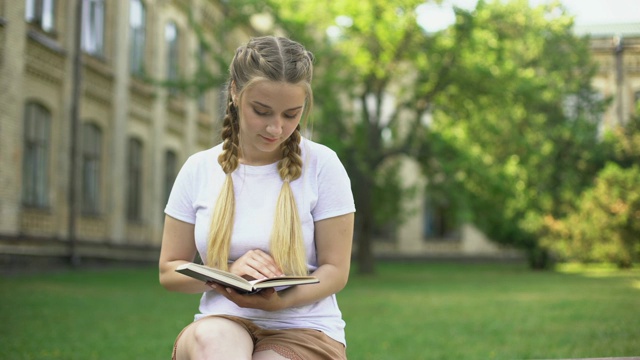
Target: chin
x: 269, y: 148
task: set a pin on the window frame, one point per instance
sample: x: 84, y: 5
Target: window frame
x: 137, y: 45
x: 41, y: 13
x: 173, y: 55
x: 170, y: 171
x: 36, y: 152
x: 93, y: 27
x: 135, y: 152
x: 92, y: 140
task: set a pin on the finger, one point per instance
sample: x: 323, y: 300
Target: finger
x: 215, y: 287
x: 266, y: 263
x: 246, y: 268
x: 265, y: 270
x: 267, y: 293
x: 255, y: 272
x: 256, y: 264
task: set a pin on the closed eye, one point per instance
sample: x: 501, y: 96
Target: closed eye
x: 260, y: 113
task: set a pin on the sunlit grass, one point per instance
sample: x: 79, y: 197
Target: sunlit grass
x: 458, y: 311
x: 407, y: 311
x: 594, y: 270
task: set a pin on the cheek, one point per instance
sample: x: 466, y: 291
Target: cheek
x: 291, y: 127
x: 249, y: 121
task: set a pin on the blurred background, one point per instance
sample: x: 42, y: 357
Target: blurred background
x: 494, y: 130
x: 483, y: 139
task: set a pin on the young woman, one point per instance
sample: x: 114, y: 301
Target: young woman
x: 263, y: 203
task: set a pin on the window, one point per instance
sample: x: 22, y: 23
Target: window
x: 41, y: 13
x: 170, y: 171
x: 171, y: 38
x: 91, y: 155
x: 93, y: 27
x: 439, y: 220
x: 35, y: 166
x: 137, y: 24
x: 134, y: 181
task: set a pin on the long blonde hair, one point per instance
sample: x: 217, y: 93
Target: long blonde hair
x: 276, y: 59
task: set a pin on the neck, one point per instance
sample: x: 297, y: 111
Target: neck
x: 259, y: 159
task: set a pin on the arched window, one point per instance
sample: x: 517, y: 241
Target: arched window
x: 91, y: 165
x: 35, y: 161
x: 137, y: 24
x: 134, y: 180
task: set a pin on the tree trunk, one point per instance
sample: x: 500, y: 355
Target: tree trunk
x: 539, y: 258
x: 364, y: 229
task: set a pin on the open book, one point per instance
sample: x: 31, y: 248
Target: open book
x: 205, y: 273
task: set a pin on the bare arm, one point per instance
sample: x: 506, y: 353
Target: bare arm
x: 178, y: 247
x: 334, y: 238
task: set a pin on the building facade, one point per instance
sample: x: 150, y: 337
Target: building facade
x: 109, y: 101
x: 616, y: 49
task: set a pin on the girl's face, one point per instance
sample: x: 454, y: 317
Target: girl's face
x: 269, y: 112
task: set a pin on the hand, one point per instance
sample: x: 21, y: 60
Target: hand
x: 256, y: 264
x: 267, y: 299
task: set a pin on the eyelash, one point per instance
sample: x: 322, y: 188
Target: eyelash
x: 267, y: 113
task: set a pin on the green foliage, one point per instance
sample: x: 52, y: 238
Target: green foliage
x: 606, y: 223
x: 514, y: 135
x: 624, y: 141
x: 392, y: 205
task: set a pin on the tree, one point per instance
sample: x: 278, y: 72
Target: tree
x: 515, y: 134
x: 606, y: 223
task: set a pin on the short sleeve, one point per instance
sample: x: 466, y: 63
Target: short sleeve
x: 335, y: 197
x: 181, y: 200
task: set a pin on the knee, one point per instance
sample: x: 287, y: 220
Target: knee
x: 217, y: 335
x: 208, y: 333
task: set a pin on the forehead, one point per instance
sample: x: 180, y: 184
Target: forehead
x: 277, y: 94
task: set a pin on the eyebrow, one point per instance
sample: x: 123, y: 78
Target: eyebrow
x: 269, y: 107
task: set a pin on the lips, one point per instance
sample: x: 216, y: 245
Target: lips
x: 269, y: 140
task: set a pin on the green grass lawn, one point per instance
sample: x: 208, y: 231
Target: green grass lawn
x: 406, y: 311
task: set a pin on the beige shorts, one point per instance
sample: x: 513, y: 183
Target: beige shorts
x: 294, y: 344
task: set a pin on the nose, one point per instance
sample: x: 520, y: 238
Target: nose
x: 275, y: 127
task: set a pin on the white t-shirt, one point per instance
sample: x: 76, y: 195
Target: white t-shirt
x: 323, y: 191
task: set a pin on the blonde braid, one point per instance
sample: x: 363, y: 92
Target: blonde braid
x: 290, y: 167
x: 228, y: 159
x: 287, y: 245
x: 223, y: 213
